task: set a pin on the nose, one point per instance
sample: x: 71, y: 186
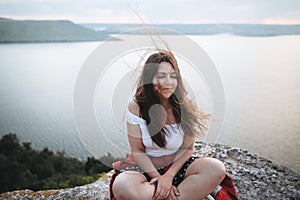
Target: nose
x: 168, y: 80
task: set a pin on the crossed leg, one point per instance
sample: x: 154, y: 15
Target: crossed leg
x: 201, y: 178
x: 131, y: 185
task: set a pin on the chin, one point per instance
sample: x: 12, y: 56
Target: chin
x: 166, y: 96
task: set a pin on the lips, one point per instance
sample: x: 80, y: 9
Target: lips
x: 167, y: 89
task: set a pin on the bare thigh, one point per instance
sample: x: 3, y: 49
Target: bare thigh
x: 201, y: 178
x: 209, y: 166
x: 130, y: 185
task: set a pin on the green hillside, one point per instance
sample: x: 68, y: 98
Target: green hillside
x: 46, y: 31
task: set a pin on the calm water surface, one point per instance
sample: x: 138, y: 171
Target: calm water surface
x: 260, y: 77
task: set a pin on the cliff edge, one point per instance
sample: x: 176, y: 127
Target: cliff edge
x: 254, y: 178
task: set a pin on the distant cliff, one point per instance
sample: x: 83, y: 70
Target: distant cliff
x: 46, y: 31
x: 254, y: 178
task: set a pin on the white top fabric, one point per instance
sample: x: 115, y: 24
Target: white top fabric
x: 174, y: 137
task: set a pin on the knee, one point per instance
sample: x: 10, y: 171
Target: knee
x: 216, y: 168
x: 211, y: 167
x: 123, y: 192
x: 126, y: 195
x: 125, y: 186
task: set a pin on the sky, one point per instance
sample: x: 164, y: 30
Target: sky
x: 155, y: 11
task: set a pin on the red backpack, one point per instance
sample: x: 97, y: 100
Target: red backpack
x: 225, y: 191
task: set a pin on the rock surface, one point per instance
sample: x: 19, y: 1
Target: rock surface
x: 254, y: 178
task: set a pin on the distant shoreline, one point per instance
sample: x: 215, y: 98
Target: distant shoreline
x: 49, y: 41
x: 60, y: 31
x: 248, y: 30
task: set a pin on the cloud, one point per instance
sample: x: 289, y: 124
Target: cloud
x: 155, y: 11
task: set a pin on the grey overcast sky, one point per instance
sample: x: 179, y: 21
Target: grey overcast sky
x: 156, y: 11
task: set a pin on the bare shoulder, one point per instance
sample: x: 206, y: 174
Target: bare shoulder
x: 133, y: 107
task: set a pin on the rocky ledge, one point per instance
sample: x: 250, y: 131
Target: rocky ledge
x: 254, y: 178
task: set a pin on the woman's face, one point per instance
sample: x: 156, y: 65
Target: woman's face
x: 165, y: 80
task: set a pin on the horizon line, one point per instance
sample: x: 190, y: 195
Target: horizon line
x: 263, y: 22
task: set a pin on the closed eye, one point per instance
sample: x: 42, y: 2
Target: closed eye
x: 163, y: 75
x: 160, y: 77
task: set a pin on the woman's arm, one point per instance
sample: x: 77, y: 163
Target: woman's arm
x: 165, y: 181
x: 136, y: 144
x: 183, y: 154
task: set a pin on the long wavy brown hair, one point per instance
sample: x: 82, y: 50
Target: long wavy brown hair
x: 185, y: 111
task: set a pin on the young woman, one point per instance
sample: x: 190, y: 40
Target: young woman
x: 162, y: 123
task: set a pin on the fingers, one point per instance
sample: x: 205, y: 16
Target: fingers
x: 153, y: 180
x: 166, y: 194
x: 175, y: 191
x: 163, y: 187
x: 160, y: 194
x: 172, y: 196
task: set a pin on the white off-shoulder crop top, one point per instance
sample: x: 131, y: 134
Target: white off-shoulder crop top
x: 174, y: 136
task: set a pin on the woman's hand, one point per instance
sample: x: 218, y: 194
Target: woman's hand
x: 173, y: 193
x: 164, y: 186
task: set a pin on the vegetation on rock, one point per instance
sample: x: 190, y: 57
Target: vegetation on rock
x: 23, y: 167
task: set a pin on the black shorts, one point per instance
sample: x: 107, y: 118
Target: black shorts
x: 178, y: 177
